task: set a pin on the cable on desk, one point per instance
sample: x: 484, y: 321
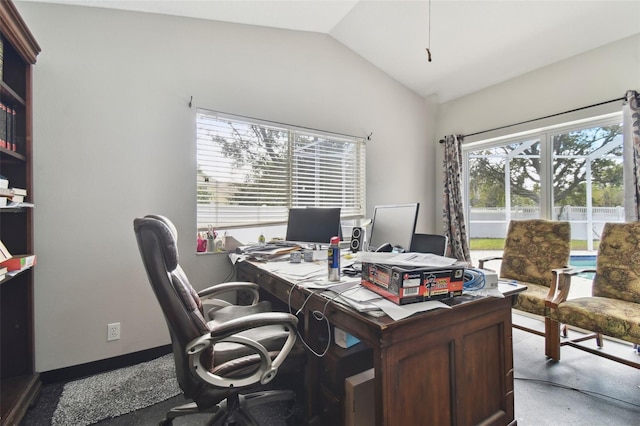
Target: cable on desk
x: 474, y: 279
x: 306, y: 345
x: 319, y: 316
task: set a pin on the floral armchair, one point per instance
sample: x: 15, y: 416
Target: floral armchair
x: 614, y: 306
x: 533, y: 249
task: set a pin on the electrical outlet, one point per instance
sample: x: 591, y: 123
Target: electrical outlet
x: 113, y: 331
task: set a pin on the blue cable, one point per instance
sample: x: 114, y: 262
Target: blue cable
x: 474, y: 279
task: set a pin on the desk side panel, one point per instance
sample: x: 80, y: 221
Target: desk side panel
x: 458, y: 374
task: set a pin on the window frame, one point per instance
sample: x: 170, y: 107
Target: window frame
x: 544, y: 136
x: 347, y: 184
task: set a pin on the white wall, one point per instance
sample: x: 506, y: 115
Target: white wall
x: 595, y: 76
x: 114, y: 139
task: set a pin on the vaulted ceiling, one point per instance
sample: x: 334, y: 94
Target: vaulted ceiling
x: 473, y: 44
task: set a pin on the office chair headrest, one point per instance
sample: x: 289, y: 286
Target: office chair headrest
x: 167, y: 222
x: 167, y: 238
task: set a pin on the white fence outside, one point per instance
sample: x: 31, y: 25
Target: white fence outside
x: 492, y: 222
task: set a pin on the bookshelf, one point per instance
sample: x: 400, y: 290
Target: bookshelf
x: 19, y: 382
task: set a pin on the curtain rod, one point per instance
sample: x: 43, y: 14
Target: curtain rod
x: 546, y: 116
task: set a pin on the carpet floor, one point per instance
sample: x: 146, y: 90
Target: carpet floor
x: 580, y: 390
x: 117, y: 392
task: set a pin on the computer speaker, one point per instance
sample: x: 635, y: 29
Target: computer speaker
x: 356, y: 239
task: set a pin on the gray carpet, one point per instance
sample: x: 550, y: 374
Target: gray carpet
x: 117, y: 392
x: 580, y: 390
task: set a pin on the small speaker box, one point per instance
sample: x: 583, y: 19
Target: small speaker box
x: 356, y: 239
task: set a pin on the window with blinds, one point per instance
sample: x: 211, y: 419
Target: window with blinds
x: 250, y: 172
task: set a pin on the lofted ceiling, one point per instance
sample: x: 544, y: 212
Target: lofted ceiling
x: 474, y: 44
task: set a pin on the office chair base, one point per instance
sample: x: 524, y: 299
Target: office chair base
x: 230, y: 412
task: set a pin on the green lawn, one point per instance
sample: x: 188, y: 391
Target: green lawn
x: 498, y: 244
x: 486, y: 244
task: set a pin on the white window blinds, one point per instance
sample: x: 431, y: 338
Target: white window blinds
x: 251, y: 172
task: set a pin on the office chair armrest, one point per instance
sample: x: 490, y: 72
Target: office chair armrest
x: 217, y: 289
x: 482, y: 261
x: 228, y: 332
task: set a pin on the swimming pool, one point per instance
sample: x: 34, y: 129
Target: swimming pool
x: 583, y: 261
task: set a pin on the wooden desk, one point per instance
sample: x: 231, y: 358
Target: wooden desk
x: 442, y: 367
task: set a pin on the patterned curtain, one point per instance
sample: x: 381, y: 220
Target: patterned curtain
x: 631, y: 121
x: 453, y: 210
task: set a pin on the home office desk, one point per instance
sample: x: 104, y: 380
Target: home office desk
x: 441, y: 367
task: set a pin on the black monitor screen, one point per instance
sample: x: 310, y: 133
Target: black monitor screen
x: 313, y: 224
x: 393, y: 224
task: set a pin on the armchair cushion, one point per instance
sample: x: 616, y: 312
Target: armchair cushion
x: 618, y: 265
x: 614, y: 307
x: 611, y: 317
x: 532, y: 300
x: 533, y: 248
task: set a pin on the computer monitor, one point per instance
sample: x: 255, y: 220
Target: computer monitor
x: 313, y: 224
x: 393, y: 224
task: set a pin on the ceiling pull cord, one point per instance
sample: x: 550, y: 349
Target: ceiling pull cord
x: 429, y: 36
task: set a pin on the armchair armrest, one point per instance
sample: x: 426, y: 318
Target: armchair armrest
x: 561, y: 286
x: 210, y: 294
x: 482, y: 261
x: 228, y: 333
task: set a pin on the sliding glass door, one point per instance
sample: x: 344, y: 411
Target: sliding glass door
x: 571, y: 172
x: 588, y: 180
x: 503, y: 184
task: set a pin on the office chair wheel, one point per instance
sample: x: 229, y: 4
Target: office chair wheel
x: 165, y: 422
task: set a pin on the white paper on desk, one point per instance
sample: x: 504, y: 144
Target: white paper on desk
x: 361, y: 294
x: 303, y: 271
x: 406, y: 259
x: 345, y: 283
x: 296, y: 271
x: 487, y: 292
x: 363, y: 300
x: 398, y: 312
x: 358, y: 305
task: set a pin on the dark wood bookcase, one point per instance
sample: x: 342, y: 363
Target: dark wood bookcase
x: 19, y: 382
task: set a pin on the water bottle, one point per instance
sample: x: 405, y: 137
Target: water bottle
x: 333, y: 259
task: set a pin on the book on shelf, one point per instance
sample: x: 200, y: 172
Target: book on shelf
x: 7, y: 195
x: 19, y: 191
x: 4, y: 252
x: 19, y: 194
x: 3, y: 126
x: 8, y: 127
x: 19, y: 262
x: 11, y: 130
x: 3, y: 272
x: 1, y: 56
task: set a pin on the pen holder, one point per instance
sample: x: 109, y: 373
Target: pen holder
x: 210, y: 245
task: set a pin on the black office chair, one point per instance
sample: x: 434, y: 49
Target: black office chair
x: 214, y: 359
x: 429, y: 243
x: 247, y: 291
